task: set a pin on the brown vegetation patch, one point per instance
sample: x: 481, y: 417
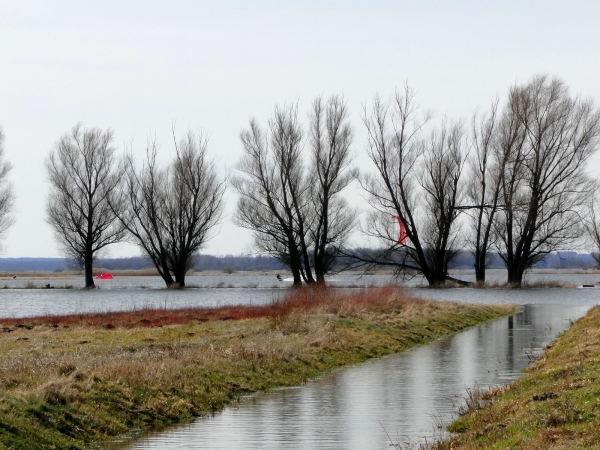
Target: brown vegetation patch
x: 305, y: 300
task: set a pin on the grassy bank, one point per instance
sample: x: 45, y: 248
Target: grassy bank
x: 68, y: 381
x: 555, y: 405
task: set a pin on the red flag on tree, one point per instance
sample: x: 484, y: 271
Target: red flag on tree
x: 402, y: 235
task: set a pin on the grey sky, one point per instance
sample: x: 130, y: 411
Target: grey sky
x: 139, y: 66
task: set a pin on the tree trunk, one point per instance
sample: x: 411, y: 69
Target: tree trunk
x: 319, y: 274
x: 434, y: 268
x: 306, y: 260
x: 433, y: 281
x: 480, y: 274
x: 180, y: 276
x: 479, y: 267
x: 295, y: 262
x: 296, y: 274
x: 88, y: 265
x: 515, y: 274
x: 168, y: 279
x: 429, y: 276
x: 319, y: 256
x: 166, y: 275
x: 439, y: 278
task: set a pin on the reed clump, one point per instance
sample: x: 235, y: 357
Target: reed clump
x: 69, y: 381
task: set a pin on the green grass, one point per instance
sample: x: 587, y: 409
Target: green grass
x: 69, y: 385
x: 555, y: 405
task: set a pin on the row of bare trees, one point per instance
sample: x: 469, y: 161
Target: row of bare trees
x: 539, y: 193
x: 526, y: 191
x: 512, y: 182
x: 97, y: 200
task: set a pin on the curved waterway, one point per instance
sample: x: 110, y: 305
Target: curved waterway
x: 397, y: 399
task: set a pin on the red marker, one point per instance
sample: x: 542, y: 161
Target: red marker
x: 402, y: 236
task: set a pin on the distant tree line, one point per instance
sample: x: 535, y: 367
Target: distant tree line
x: 231, y: 263
x: 200, y: 262
x: 512, y: 183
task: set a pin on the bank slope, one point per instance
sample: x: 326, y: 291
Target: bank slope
x: 555, y: 405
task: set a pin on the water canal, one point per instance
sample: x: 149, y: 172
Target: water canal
x: 397, y: 399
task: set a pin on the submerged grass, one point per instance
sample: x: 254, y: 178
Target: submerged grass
x: 541, y: 284
x: 555, y: 405
x: 66, y: 382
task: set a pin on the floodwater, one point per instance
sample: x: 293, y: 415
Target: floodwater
x: 209, y: 290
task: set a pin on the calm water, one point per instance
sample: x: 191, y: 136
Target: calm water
x: 132, y: 293
x: 400, y: 396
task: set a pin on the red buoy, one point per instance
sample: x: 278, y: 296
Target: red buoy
x: 104, y: 276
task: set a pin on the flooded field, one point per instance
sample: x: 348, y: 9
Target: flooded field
x: 134, y: 293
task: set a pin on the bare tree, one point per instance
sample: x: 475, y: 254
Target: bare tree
x: 483, y: 191
x: 443, y: 194
x: 295, y: 211
x: 172, y: 212
x: 7, y: 198
x: 418, y: 180
x: 274, y: 191
x: 548, y: 136
x: 330, y: 139
x: 82, y: 202
x: 287, y: 142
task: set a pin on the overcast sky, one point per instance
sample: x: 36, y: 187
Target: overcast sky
x: 140, y: 66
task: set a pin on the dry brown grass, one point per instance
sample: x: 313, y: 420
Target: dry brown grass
x: 152, y: 347
x: 112, y: 345
x: 142, y: 347
x: 114, y: 373
x: 300, y: 301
